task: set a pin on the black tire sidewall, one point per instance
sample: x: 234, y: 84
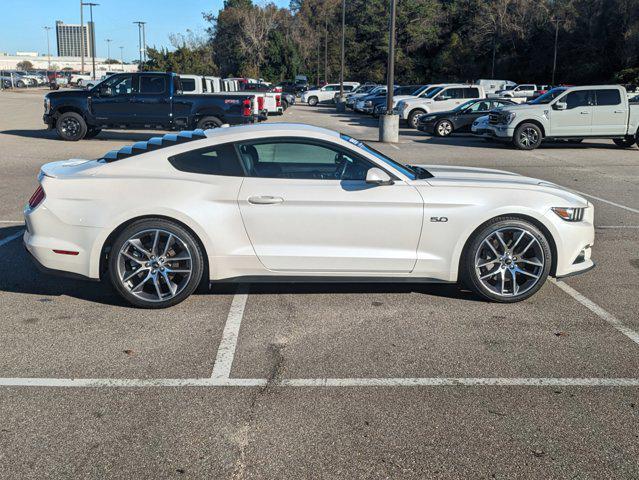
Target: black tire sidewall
x: 83, y: 126
x: 203, y: 121
x: 312, y: 101
x: 412, y: 117
x: 519, y: 129
x: 172, y: 227
x: 468, y: 275
x: 625, y: 142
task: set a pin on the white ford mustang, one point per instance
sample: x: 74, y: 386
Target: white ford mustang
x: 286, y: 201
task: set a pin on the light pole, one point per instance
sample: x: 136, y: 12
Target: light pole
x: 341, y: 104
x: 144, y: 41
x: 108, y: 40
x: 122, y: 58
x: 389, y: 123
x: 48, y: 49
x: 91, y: 5
x: 81, y: 37
x: 140, y: 26
x: 554, y: 61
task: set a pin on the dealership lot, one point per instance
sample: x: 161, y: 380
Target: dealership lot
x: 328, y: 381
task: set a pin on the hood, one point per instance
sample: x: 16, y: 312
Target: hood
x: 67, y: 93
x: 399, y: 98
x: 445, y: 176
x: 418, y: 100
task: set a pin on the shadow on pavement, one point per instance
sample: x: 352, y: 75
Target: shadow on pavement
x: 104, y: 135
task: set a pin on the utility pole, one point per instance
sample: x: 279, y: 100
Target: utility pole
x: 325, y: 48
x: 140, y: 24
x: 122, y: 58
x: 318, y: 58
x: 144, y: 41
x: 389, y: 123
x: 341, y: 104
x: 82, y: 37
x: 91, y: 5
x: 108, y: 40
x: 48, y: 49
x: 554, y: 62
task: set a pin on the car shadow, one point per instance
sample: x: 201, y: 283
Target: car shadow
x: 105, y: 135
x: 19, y: 274
x: 469, y: 140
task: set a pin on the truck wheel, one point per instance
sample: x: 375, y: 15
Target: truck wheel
x: 92, y: 133
x: 528, y: 136
x: 71, y: 126
x: 284, y: 105
x: 414, y: 116
x: 627, y: 141
x: 207, y: 123
x: 312, y: 101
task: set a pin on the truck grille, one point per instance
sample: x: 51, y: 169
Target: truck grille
x: 494, y: 118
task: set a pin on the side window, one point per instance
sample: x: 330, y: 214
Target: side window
x: 153, y: 84
x: 121, y: 85
x: 482, y: 106
x: 188, y: 85
x: 451, y: 93
x: 497, y: 104
x: 527, y: 87
x: 471, y: 93
x: 348, y: 88
x: 215, y: 160
x: 580, y: 98
x: 608, y: 97
x: 300, y: 160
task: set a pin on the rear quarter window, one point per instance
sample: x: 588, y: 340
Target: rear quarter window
x: 215, y: 160
x: 608, y: 97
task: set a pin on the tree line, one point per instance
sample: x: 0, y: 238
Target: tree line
x: 437, y: 40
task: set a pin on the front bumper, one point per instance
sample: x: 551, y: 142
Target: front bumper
x: 426, y: 127
x: 49, y: 120
x: 505, y: 132
x: 573, y: 242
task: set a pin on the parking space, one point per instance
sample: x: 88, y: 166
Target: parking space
x: 325, y: 380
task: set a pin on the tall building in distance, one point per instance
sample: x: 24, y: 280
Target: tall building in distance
x: 69, y: 39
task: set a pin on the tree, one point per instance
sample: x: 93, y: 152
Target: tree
x: 24, y: 65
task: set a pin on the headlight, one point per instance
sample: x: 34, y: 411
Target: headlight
x: 427, y: 118
x: 368, y: 103
x: 47, y: 104
x: 570, y: 214
x: 401, y: 106
x: 509, y: 117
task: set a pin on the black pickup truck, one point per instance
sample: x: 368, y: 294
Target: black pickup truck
x: 141, y: 100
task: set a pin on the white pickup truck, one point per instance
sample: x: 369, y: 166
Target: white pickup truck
x: 523, y: 91
x: 440, y: 99
x: 569, y: 113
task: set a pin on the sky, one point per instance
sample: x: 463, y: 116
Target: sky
x: 22, y: 22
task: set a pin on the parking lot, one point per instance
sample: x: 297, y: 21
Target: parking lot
x: 324, y: 381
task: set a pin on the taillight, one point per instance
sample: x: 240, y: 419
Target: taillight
x: 246, y: 110
x: 37, y: 197
x: 278, y: 101
x: 260, y: 103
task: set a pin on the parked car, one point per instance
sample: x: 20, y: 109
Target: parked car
x: 93, y: 83
x: 595, y: 111
x: 459, y: 119
x: 80, y: 79
x: 524, y: 90
x: 325, y: 93
x: 141, y: 100
x: 226, y: 203
x: 14, y: 79
x: 357, y: 93
x: 288, y: 100
x: 492, y: 86
x: 439, y: 99
x: 377, y: 105
x: 360, y: 103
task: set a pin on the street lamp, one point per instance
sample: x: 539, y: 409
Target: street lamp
x: 554, y: 61
x: 140, y: 41
x: 108, y: 40
x: 91, y: 5
x: 122, y: 58
x: 48, y: 49
x: 389, y: 123
x: 341, y: 104
x: 81, y: 37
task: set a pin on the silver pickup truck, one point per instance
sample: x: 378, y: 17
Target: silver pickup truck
x: 570, y: 113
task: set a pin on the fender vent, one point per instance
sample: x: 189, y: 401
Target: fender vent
x: 154, y: 143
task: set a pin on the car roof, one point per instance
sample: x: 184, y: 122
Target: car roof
x: 275, y: 128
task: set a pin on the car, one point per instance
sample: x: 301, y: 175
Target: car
x: 459, y: 119
x: 377, y: 105
x: 440, y: 99
x: 569, y: 113
x: 360, y: 105
x: 358, y: 93
x: 524, y: 90
x: 325, y: 93
x: 480, y: 126
x: 141, y: 100
x: 294, y: 202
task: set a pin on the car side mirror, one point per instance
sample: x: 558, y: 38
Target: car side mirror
x: 377, y: 176
x: 560, y: 106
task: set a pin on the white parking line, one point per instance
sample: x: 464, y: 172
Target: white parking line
x: 226, y: 350
x: 10, y: 238
x: 13, y: 222
x: 612, y: 227
x: 618, y: 205
x: 318, y: 382
x: 597, y: 310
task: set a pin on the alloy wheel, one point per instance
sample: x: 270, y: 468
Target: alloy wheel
x: 528, y: 137
x: 154, y: 265
x: 444, y: 128
x: 509, y: 261
x: 70, y: 127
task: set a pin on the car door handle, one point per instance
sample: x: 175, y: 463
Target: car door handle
x: 585, y: 113
x: 620, y: 111
x: 265, y: 200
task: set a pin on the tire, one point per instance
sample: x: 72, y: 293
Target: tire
x: 20, y: 84
x: 527, y: 136
x: 443, y: 128
x: 71, y: 126
x: 531, y: 254
x: 626, y: 142
x: 92, y: 133
x: 413, y: 117
x: 312, y: 101
x: 207, y: 123
x: 79, y: 83
x: 160, y: 283
x: 284, y: 105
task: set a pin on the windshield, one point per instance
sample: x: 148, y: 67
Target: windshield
x: 411, y: 172
x: 434, y: 92
x: 548, y: 96
x: 420, y: 90
x: 464, y: 105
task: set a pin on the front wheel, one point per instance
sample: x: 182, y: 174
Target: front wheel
x: 312, y: 101
x: 528, y: 136
x: 71, y: 126
x: 413, y: 117
x: 507, y: 260
x: 626, y: 142
x: 155, y: 263
x: 443, y: 128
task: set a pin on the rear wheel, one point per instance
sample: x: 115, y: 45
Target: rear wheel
x: 627, y: 141
x: 207, y: 123
x: 443, y: 128
x: 71, y: 126
x: 413, y: 117
x: 528, y: 136
x: 507, y: 260
x: 312, y: 101
x: 155, y: 263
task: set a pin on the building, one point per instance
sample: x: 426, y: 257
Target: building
x: 41, y: 62
x: 69, y: 39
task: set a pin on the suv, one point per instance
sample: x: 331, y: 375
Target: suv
x: 326, y: 93
x: 440, y: 99
x: 597, y: 111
